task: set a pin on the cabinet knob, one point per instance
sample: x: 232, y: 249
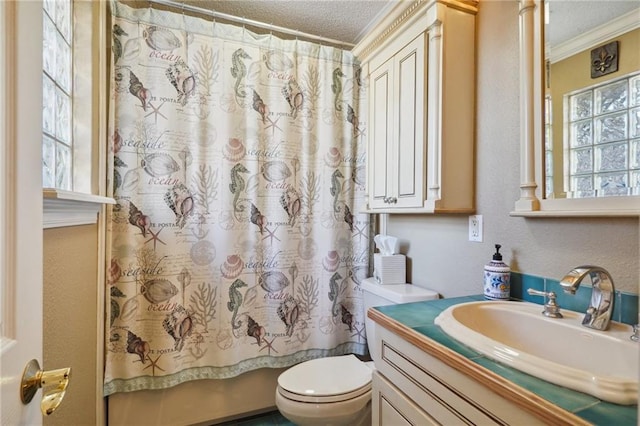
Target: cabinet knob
x: 390, y: 200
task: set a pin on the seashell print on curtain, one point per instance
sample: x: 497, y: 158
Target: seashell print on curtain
x: 237, y: 164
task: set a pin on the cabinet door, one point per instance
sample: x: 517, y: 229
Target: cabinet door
x: 409, y: 98
x: 381, y: 138
x: 392, y: 407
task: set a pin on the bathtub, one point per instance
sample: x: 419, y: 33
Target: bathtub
x: 199, y: 402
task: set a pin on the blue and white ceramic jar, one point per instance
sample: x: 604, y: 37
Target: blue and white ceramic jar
x: 497, y: 278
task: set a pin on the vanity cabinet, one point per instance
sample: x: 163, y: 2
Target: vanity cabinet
x: 412, y: 387
x: 420, y: 65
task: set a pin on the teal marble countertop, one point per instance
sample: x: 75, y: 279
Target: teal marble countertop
x: 419, y: 316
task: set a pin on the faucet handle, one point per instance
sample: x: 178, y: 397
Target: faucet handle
x: 636, y: 333
x: 551, y: 308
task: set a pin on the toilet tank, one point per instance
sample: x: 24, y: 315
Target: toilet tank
x: 389, y: 294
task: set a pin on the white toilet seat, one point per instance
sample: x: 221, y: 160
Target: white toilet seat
x: 324, y: 399
x: 326, y: 380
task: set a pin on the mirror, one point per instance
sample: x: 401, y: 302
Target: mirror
x: 580, y: 115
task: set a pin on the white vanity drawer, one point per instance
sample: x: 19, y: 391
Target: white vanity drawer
x: 444, y: 393
x: 390, y: 407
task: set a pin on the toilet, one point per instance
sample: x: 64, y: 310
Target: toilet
x: 337, y: 390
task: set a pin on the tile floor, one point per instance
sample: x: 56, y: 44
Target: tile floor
x: 273, y: 418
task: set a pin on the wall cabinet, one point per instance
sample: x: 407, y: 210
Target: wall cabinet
x: 397, y: 148
x: 420, y: 65
x: 411, y: 387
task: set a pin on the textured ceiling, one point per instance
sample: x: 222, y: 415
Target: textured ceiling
x: 349, y: 20
x: 344, y: 20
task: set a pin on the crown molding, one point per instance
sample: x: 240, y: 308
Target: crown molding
x: 598, y: 35
x: 400, y: 15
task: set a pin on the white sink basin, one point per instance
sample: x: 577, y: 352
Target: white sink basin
x: 562, y: 351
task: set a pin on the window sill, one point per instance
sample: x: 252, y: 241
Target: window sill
x: 66, y: 208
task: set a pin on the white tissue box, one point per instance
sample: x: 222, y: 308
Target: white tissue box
x: 390, y: 269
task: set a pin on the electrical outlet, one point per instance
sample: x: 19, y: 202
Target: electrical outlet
x: 475, y: 228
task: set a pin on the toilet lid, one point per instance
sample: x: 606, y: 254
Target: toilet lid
x: 335, y: 378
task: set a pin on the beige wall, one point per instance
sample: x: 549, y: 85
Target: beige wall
x: 440, y: 255
x: 70, y: 319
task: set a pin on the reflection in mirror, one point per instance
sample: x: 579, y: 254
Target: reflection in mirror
x: 580, y: 108
x: 592, y: 98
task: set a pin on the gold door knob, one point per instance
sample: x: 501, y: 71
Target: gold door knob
x: 53, y: 383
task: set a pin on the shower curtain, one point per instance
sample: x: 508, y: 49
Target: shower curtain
x: 237, y: 164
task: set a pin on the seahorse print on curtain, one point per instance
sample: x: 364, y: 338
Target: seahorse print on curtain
x: 237, y: 164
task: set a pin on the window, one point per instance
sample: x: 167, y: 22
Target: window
x: 548, y: 146
x: 74, y: 76
x: 57, y: 144
x: 603, y: 139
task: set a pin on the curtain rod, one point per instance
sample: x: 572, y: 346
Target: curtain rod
x: 183, y: 6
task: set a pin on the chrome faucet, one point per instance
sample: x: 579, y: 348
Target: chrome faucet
x: 600, y: 308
